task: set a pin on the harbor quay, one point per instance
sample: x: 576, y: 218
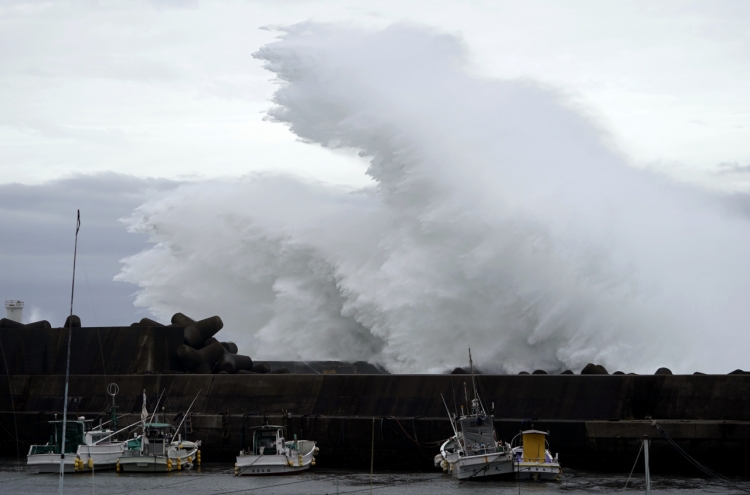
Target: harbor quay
x: 596, y: 422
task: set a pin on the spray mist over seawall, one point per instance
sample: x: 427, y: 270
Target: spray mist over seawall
x: 499, y: 220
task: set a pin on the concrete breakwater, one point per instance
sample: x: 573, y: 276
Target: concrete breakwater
x: 596, y: 421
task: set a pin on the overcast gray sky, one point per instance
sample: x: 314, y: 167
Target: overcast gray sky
x: 36, y: 260
x: 169, y: 88
x: 166, y: 91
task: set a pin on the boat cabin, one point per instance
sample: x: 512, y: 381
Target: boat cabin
x: 157, y: 438
x: 99, y: 437
x: 75, y: 431
x: 534, y: 447
x: 268, y: 440
x: 478, y: 435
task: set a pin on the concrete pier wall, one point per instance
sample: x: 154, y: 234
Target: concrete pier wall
x: 596, y: 421
x: 94, y: 351
x: 561, y: 397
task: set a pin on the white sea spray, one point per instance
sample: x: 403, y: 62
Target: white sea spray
x: 499, y: 219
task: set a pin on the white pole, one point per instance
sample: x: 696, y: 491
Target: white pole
x: 648, y: 471
x: 61, y: 483
x: 372, y: 454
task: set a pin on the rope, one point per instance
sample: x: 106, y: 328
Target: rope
x: 342, y: 434
x: 244, y: 468
x: 636, y: 462
x: 96, y: 321
x: 151, y: 487
x: 416, y: 442
x: 391, y: 485
x: 499, y: 458
x: 420, y: 447
x: 15, y: 438
x: 260, y: 488
x: 706, y: 470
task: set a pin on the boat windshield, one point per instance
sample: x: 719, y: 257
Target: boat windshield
x: 74, y: 431
x: 158, y: 433
x: 96, y: 437
x: 265, y: 439
x: 478, y: 433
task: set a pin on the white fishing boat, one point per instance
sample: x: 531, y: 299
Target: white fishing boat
x: 271, y: 453
x: 533, y: 459
x: 473, y: 451
x: 159, y: 449
x: 86, y: 448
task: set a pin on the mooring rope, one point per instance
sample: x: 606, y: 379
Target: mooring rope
x: 706, y: 470
x: 636, y: 462
x: 96, y: 321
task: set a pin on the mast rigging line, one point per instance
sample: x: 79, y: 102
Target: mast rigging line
x: 96, y: 320
x: 706, y: 470
x: 633, y: 469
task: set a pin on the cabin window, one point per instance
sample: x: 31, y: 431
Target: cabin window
x: 267, y: 440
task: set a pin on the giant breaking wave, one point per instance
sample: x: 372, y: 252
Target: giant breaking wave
x: 499, y: 219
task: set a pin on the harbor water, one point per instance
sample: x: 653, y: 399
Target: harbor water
x: 217, y: 479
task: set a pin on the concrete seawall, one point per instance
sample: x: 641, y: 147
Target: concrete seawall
x: 596, y: 421
x: 105, y: 350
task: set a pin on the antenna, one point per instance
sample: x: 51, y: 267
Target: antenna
x: 156, y: 407
x: 455, y: 405
x: 112, y: 390
x: 455, y: 432
x: 67, y: 365
x: 474, y: 385
x: 188, y: 411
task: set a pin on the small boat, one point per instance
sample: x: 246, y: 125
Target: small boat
x: 86, y: 448
x: 532, y: 459
x: 473, y: 451
x: 271, y: 453
x: 158, y: 451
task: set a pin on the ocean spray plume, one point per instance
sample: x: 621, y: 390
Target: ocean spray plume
x: 499, y: 220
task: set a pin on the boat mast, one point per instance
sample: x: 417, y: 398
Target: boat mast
x: 474, y: 385
x: 450, y: 418
x: 67, y: 365
x: 144, y: 417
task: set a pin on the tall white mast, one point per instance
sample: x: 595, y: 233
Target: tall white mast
x: 67, y: 365
x: 474, y: 385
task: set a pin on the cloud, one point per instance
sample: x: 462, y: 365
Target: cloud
x: 37, y: 224
x: 731, y: 168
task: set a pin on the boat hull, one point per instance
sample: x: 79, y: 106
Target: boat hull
x: 104, y: 456
x: 482, y: 466
x: 144, y: 464
x: 50, y: 463
x: 136, y: 463
x: 259, y: 465
x: 546, y: 471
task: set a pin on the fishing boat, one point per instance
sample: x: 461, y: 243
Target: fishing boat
x: 159, y: 451
x: 271, y: 453
x: 532, y: 459
x: 86, y: 448
x: 474, y: 452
